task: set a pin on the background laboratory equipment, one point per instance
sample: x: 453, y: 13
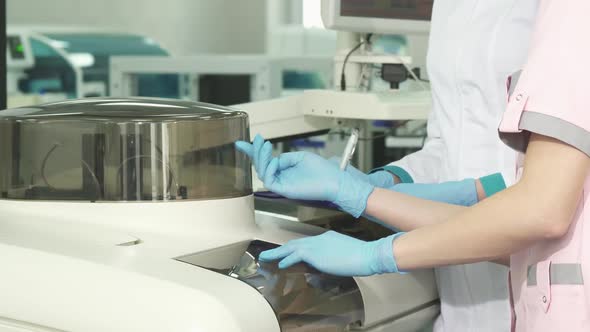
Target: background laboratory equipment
x: 66, y: 63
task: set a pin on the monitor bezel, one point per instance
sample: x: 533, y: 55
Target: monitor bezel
x: 334, y: 21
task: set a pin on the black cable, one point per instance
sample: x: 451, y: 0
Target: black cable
x: 3, y: 87
x: 343, y: 75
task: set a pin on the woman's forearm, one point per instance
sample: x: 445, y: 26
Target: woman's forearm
x: 540, y: 207
x: 407, y: 213
x: 404, y: 214
x: 485, y: 232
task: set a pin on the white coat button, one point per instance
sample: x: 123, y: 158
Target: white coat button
x: 544, y: 299
x: 519, y: 97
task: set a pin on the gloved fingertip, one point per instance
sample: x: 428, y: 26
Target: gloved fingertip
x: 266, y: 152
x: 267, y: 147
x: 245, y: 147
x: 258, y: 140
x: 273, y: 254
x: 257, y: 153
x: 269, y: 175
x: 330, y: 234
x: 266, y: 256
x: 257, y: 145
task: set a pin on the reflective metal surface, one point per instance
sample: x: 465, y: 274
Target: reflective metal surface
x: 303, y: 298
x: 123, y: 149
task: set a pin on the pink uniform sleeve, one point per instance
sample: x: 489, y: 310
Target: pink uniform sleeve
x: 552, y: 96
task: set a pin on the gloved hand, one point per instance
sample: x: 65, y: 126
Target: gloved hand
x: 307, y: 176
x: 259, y: 151
x: 381, y: 179
x: 337, y: 254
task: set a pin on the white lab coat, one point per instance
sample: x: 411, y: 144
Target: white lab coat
x: 474, y: 47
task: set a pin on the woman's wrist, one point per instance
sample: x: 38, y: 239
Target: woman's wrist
x: 481, y: 194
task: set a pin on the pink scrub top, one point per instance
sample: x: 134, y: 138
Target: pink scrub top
x: 551, y: 280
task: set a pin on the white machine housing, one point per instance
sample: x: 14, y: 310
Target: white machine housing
x: 105, y: 201
x: 111, y: 267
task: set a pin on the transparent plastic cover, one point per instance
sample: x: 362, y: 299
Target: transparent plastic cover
x: 123, y: 149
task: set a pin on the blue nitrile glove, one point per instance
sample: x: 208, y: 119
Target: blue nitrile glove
x: 259, y: 151
x: 462, y: 192
x: 337, y: 254
x: 307, y: 176
x: 381, y: 179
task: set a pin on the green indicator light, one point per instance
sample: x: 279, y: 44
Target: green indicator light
x: 20, y: 48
